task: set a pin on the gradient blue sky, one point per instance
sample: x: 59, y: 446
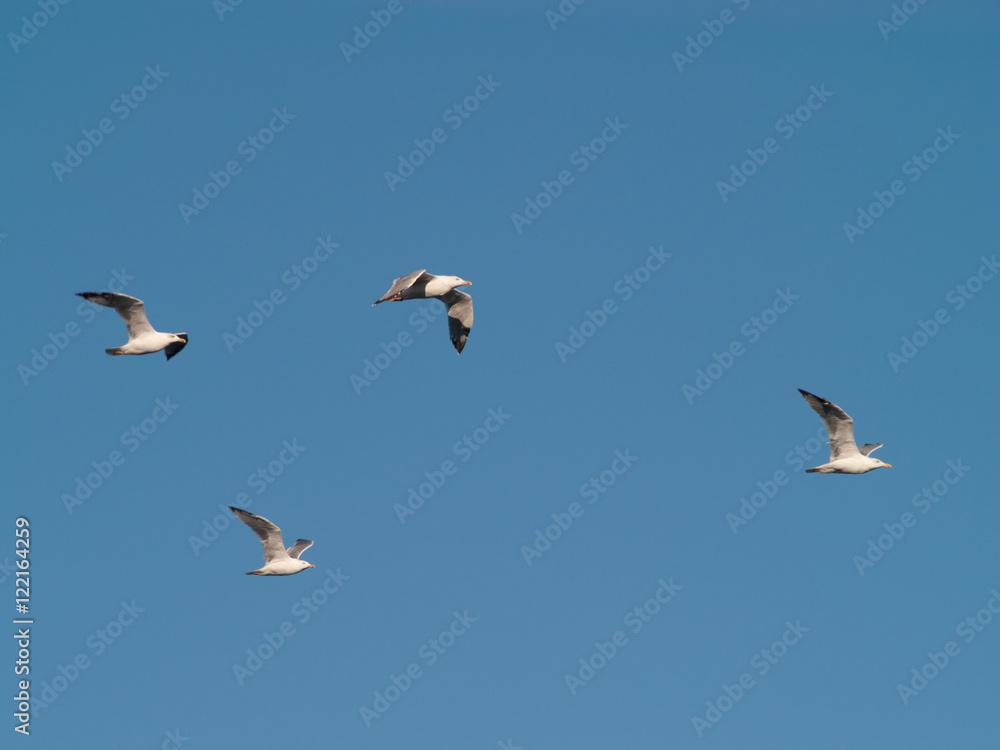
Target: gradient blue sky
x: 735, y: 259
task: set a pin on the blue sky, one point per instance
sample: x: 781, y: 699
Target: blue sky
x: 672, y: 218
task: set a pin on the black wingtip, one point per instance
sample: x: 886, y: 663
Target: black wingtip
x: 174, y: 349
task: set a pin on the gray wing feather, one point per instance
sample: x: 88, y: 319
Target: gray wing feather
x: 131, y: 310
x: 267, y: 532
x: 459, y: 317
x: 839, y: 426
x: 300, y: 546
x: 405, y: 287
x: 868, y: 448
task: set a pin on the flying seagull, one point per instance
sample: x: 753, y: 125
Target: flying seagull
x: 845, y: 456
x: 142, y: 338
x: 421, y: 285
x: 277, y: 561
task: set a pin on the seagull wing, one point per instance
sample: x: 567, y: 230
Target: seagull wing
x: 175, y: 348
x: 838, y: 425
x: 459, y: 317
x: 300, y: 546
x: 131, y: 310
x: 868, y: 448
x: 405, y: 287
x: 267, y: 532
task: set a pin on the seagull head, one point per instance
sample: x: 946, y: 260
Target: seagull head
x: 459, y: 282
x: 882, y: 464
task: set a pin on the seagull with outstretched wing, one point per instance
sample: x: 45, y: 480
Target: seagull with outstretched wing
x: 142, y: 337
x: 845, y: 456
x: 277, y: 560
x: 423, y: 285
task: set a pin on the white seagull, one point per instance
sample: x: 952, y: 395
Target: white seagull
x: 277, y: 561
x: 421, y: 285
x: 142, y: 337
x: 845, y: 456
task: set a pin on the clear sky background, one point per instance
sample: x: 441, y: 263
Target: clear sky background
x: 764, y: 266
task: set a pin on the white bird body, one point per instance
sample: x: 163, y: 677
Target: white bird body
x: 422, y: 285
x: 277, y: 560
x: 142, y: 337
x: 845, y: 456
